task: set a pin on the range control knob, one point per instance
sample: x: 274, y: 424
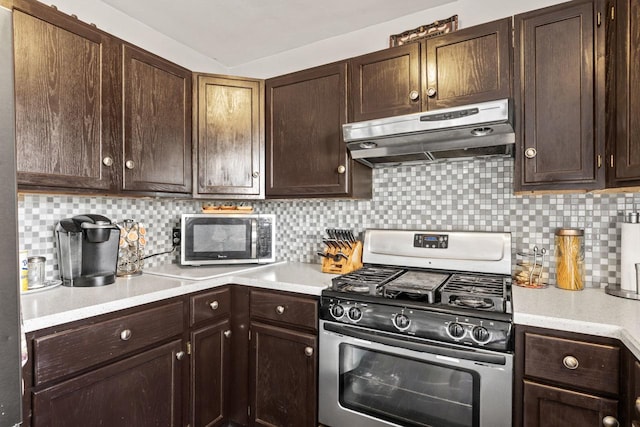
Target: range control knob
x: 456, y: 330
x: 337, y: 311
x: 481, y: 334
x: 354, y: 314
x: 401, y: 322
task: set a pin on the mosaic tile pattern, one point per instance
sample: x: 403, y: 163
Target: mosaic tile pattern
x: 458, y: 195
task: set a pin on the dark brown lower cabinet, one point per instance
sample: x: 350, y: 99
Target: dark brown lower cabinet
x: 554, y: 406
x: 142, y: 390
x: 283, y: 384
x: 210, y: 358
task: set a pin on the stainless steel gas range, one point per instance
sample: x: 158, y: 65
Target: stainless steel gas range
x: 421, y: 335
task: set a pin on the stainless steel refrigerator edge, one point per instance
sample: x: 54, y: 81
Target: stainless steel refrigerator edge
x: 10, y: 379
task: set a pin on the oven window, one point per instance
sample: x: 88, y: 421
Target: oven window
x: 407, y: 391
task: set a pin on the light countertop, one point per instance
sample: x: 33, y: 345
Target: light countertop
x: 65, y: 304
x: 590, y: 311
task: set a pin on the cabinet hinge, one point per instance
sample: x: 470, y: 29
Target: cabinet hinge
x: 249, y: 411
x: 599, y: 161
x: 188, y: 347
x: 249, y: 334
x: 599, y: 19
x: 611, y: 161
x: 613, y: 13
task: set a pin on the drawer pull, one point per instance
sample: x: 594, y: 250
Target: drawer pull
x: 280, y: 309
x: 308, y: 351
x: 214, y: 305
x: 610, y: 421
x: 180, y: 355
x: 227, y: 334
x: 125, y: 335
x: 570, y: 362
x: 638, y: 405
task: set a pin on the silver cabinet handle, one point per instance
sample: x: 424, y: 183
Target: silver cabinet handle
x: 227, y: 334
x: 214, y: 305
x: 341, y: 169
x: 414, y: 95
x: 180, y: 355
x: 125, y: 335
x: 255, y: 174
x: 280, y: 309
x: 610, y: 421
x: 107, y: 161
x: 130, y: 164
x: 530, y: 153
x: 570, y: 362
x: 308, y: 351
x: 431, y: 92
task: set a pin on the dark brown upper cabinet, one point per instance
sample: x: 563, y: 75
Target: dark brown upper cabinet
x: 467, y: 66
x: 306, y: 155
x: 157, y: 124
x: 67, y: 90
x: 623, y: 159
x: 229, y: 137
x: 559, y: 88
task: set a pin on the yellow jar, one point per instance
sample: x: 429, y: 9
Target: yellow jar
x: 569, y: 253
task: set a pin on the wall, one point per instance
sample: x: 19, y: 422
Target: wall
x: 463, y: 195
x: 470, y: 12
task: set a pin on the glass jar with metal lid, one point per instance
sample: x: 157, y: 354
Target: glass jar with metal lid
x: 569, y: 254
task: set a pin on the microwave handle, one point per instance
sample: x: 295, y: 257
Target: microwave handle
x: 254, y: 238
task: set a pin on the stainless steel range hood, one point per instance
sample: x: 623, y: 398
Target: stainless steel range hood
x: 478, y: 130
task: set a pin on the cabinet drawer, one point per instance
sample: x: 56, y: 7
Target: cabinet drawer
x: 210, y: 305
x: 574, y: 363
x: 71, y: 351
x: 288, y: 309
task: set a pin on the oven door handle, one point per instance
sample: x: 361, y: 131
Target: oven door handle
x: 438, y: 350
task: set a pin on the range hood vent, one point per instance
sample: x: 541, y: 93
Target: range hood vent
x: 478, y: 130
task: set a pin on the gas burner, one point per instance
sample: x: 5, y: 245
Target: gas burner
x: 471, y: 302
x: 358, y: 289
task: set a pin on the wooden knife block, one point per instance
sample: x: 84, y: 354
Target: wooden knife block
x: 337, y: 264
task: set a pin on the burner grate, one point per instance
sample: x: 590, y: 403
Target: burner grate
x: 475, y: 285
x: 365, y: 278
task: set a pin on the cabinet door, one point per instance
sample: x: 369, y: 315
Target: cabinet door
x: 210, y: 357
x: 553, y: 406
x: 626, y: 157
x: 230, y: 142
x: 385, y: 83
x: 468, y: 66
x: 157, y: 124
x: 559, y: 82
x: 283, y: 377
x: 67, y: 101
x: 142, y: 390
x: 634, y: 397
x: 306, y: 156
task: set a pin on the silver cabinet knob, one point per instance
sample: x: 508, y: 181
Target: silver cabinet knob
x: 414, y: 95
x: 107, y: 161
x: 341, y: 169
x: 130, y: 164
x: 255, y: 174
x: 214, y: 305
x: 638, y: 405
x: 180, y: 355
x: 308, y: 351
x: 431, y: 92
x: 570, y: 362
x: 610, y: 421
x: 530, y: 153
x: 125, y: 335
x: 280, y: 309
x: 227, y: 334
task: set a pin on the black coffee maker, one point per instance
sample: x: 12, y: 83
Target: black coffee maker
x: 87, y: 250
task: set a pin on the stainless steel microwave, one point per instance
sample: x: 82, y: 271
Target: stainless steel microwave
x: 210, y: 239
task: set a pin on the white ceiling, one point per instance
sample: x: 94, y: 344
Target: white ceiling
x: 236, y: 32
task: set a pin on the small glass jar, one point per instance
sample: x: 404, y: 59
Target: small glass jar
x: 569, y: 254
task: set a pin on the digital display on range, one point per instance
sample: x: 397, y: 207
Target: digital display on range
x: 431, y: 241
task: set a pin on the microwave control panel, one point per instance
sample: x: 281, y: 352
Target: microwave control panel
x: 265, y: 237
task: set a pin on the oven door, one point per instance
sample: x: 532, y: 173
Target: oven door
x: 372, y: 379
